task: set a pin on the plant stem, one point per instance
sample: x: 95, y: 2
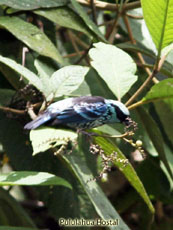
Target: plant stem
x: 156, y: 69
x: 140, y: 57
x: 109, y: 6
x: 93, y: 8
x: 7, y: 109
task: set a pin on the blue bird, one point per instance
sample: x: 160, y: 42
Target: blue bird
x: 82, y: 113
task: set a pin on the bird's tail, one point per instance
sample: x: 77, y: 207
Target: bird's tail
x: 40, y: 120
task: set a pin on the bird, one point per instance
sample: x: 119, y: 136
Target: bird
x: 82, y: 113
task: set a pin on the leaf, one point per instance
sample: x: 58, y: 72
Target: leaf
x: 30, y: 76
x: 114, y: 66
x: 66, y: 17
x: 155, y: 136
x: 161, y: 91
x: 169, y: 156
x: 103, y: 207
x: 16, y: 228
x: 165, y: 112
x: 159, y: 19
x: 127, y: 170
x: 33, y: 4
x: 67, y: 79
x: 31, y: 36
x: 19, y: 151
x: 136, y: 48
x: 45, y: 70
x: 90, y: 24
x: 12, y: 213
x: 140, y: 30
x: 6, y: 96
x: 46, y: 138
x: 30, y: 178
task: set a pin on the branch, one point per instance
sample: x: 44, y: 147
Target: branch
x: 156, y: 69
x: 109, y: 6
x: 93, y: 8
x: 140, y: 57
x: 7, y: 109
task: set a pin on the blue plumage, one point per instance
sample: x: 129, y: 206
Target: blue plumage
x: 82, y: 113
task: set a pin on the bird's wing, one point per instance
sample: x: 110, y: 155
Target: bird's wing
x: 91, y: 111
x: 82, y: 112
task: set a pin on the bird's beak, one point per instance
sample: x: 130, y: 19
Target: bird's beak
x: 128, y: 121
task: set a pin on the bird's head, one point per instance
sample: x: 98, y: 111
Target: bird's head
x: 122, y: 112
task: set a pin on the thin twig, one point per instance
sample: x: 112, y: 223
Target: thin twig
x: 84, y: 55
x: 30, y: 111
x: 24, y: 51
x: 93, y: 8
x: 111, y: 37
x: 134, y: 16
x: 73, y: 54
x: 156, y: 69
x: 17, y: 111
x: 7, y: 109
x: 141, y: 59
x: 79, y: 41
x: 70, y: 34
x: 109, y: 6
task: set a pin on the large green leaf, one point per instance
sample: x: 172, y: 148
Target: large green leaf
x: 66, y: 17
x: 115, y: 67
x: 71, y: 203
x: 12, y: 213
x: 165, y: 112
x: 47, y: 138
x: 33, y: 4
x: 26, y: 73
x: 103, y: 207
x: 140, y: 30
x: 6, y: 96
x: 16, y: 228
x: 161, y: 91
x: 155, y: 136
x: 30, y: 178
x: 31, y: 36
x: 159, y: 19
x: 90, y: 24
x: 67, y: 79
x: 128, y: 170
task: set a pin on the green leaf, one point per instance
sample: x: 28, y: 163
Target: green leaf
x: 30, y: 178
x: 12, y: 213
x: 136, y: 48
x: 115, y: 67
x: 90, y: 24
x: 33, y: 4
x: 45, y: 70
x: 159, y: 19
x: 46, y: 138
x: 103, y: 207
x: 165, y: 112
x: 30, y: 76
x: 16, y: 228
x: 67, y: 79
x: 127, y: 170
x: 161, y: 91
x: 140, y: 30
x: 31, y: 36
x: 66, y: 17
x: 155, y: 136
x: 169, y: 156
x: 6, y: 96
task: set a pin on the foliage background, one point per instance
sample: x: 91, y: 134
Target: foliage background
x: 50, y: 50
